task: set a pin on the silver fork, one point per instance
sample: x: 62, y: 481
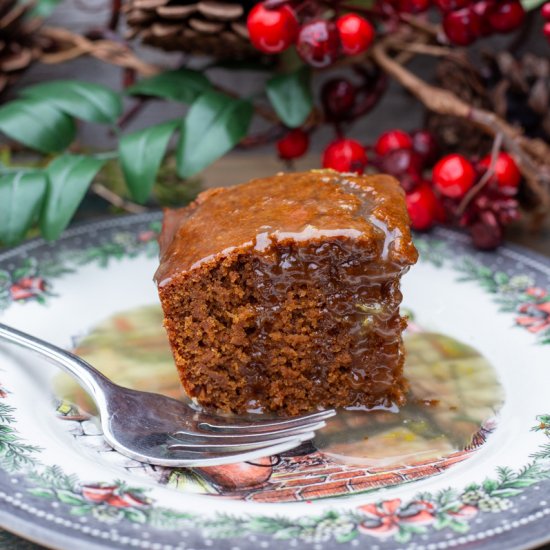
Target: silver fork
x: 156, y: 429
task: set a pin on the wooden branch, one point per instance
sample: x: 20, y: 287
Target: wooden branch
x: 74, y: 45
x: 531, y: 155
x: 484, y: 180
x: 111, y: 197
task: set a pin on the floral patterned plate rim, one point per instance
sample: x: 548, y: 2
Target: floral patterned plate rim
x: 58, y: 493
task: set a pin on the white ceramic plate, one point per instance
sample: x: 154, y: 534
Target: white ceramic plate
x: 62, y: 486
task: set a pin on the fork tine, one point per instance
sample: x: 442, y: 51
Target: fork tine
x: 195, y: 458
x: 267, y: 424
x: 222, y: 438
x: 235, y: 447
x: 251, y: 434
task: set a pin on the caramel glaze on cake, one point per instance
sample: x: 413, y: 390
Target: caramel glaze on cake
x: 282, y: 294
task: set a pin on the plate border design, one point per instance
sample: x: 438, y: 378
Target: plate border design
x: 385, y: 520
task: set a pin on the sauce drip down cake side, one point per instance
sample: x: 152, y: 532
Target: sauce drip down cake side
x: 282, y: 294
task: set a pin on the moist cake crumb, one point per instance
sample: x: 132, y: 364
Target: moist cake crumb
x: 282, y: 294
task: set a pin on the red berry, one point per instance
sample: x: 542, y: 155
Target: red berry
x: 423, y: 207
x: 413, y: 6
x: 483, y: 9
x: 391, y: 140
x: 462, y: 27
x: 506, y: 170
x: 293, y: 145
x: 546, y: 30
x: 486, y: 231
x: 451, y: 5
x: 425, y: 145
x: 453, y: 175
x: 506, y: 16
x: 272, y: 30
x: 345, y: 155
x: 338, y: 97
x: 356, y: 33
x: 403, y: 164
x: 318, y: 43
x: 545, y: 10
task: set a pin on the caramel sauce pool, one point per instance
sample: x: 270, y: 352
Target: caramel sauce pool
x: 454, y: 392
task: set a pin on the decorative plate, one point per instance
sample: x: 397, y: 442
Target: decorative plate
x: 467, y: 463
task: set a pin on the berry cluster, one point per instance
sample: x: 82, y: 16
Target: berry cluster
x: 273, y: 27
x: 465, y: 21
x: 479, y: 195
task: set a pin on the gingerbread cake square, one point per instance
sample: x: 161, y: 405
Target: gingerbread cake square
x: 282, y: 294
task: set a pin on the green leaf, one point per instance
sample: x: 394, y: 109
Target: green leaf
x: 21, y: 196
x: 501, y: 278
x: 183, y: 85
x: 346, y: 537
x: 135, y: 515
x: 42, y: 493
x: 529, y: 5
x: 214, y: 124
x: 290, y: 95
x: 83, y: 510
x: 141, y: 155
x: 44, y: 8
x: 37, y: 124
x: 67, y: 497
x: 459, y: 526
x: 83, y: 100
x: 68, y: 179
x: 490, y: 485
x: 403, y: 535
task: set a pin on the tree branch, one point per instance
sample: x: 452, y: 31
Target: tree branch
x: 531, y: 155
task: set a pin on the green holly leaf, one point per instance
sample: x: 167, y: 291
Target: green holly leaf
x: 214, y: 125
x: 291, y: 97
x: 141, y: 155
x: 37, y: 124
x: 21, y: 197
x: 68, y: 179
x: 83, y: 100
x: 183, y: 85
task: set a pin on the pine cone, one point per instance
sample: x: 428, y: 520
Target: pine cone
x: 210, y: 27
x: 518, y: 90
x: 455, y: 135
x: 19, y: 45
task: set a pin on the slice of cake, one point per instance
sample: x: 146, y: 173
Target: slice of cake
x: 282, y: 294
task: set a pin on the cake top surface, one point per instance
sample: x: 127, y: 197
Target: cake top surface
x: 298, y: 207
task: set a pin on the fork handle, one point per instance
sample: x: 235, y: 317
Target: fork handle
x: 89, y: 377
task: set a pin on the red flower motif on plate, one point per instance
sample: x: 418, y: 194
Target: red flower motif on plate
x: 384, y: 519
x: 27, y: 287
x: 535, y: 311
